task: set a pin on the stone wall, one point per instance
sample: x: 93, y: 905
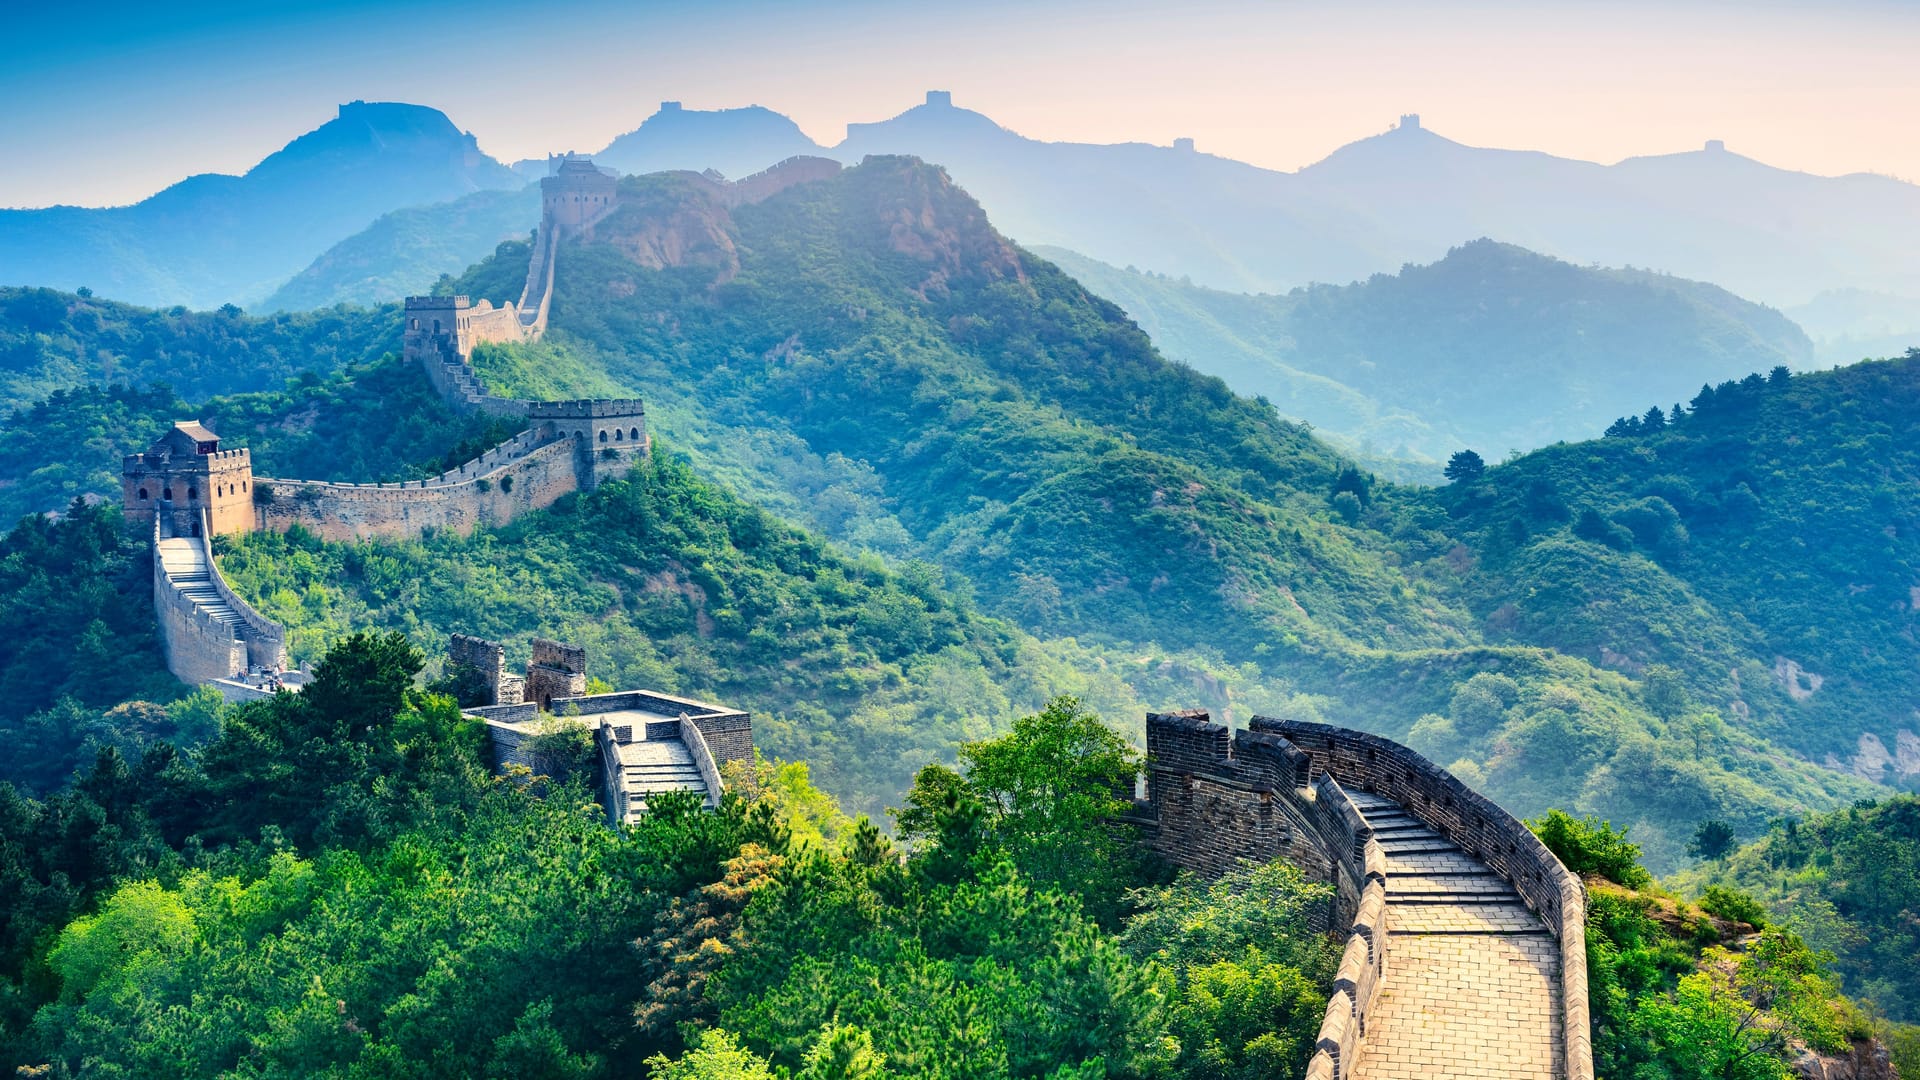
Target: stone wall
x: 178, y: 487
x: 1215, y: 799
x: 198, y: 649
x: 486, y: 663
x: 728, y: 733
x: 528, y: 480
x: 1481, y: 828
x: 556, y: 671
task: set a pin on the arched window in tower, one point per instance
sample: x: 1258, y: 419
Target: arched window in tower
x: 618, y: 435
x: 143, y: 494
x: 416, y: 324
x: 192, y: 494
x: 635, y: 436
x: 167, y: 493
x: 603, y: 436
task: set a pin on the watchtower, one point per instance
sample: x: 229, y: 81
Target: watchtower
x: 556, y: 671
x: 576, y: 194
x: 609, y: 436
x: 436, y: 329
x: 184, y: 473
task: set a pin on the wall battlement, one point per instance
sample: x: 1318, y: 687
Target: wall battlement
x: 1311, y: 794
x: 586, y: 409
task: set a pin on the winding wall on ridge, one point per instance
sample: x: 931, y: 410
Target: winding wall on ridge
x: 1466, y: 944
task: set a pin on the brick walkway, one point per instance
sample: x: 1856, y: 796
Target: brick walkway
x: 1472, y: 984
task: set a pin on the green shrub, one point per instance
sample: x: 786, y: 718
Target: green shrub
x: 1734, y: 905
x: 1591, y: 846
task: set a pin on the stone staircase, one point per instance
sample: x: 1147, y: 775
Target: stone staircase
x: 650, y: 766
x: 1474, y: 983
x: 185, y: 565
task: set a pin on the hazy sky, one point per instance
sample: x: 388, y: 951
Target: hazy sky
x: 108, y: 102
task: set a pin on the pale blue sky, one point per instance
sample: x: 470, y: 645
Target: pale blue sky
x: 109, y: 102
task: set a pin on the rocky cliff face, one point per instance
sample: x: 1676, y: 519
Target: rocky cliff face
x: 685, y: 219
x: 1868, y: 1060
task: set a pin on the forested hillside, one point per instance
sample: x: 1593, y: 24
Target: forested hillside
x: 1755, y: 552
x: 672, y: 584
x: 336, y: 885
x: 866, y: 355
x: 377, y: 421
x: 51, y: 341
x: 1493, y: 347
x: 405, y: 251
x: 1849, y: 882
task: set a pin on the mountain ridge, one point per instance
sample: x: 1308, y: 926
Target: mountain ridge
x: 215, y: 238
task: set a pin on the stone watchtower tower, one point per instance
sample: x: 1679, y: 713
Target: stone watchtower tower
x: 184, y: 473
x: 609, y: 436
x: 556, y: 671
x: 577, y: 194
x: 436, y: 329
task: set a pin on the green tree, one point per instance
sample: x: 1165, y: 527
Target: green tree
x: 1591, y: 846
x: 1712, y: 839
x: 1465, y: 467
x: 715, y: 1055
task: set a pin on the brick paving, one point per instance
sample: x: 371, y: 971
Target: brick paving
x: 1472, y: 983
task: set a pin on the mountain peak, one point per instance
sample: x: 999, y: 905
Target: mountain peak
x: 734, y: 142
x: 937, y: 116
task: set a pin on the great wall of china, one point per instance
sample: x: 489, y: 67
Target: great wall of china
x: 1466, y: 937
x: 1465, y: 946
x: 191, y: 490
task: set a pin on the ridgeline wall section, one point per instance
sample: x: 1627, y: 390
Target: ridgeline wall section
x: 1305, y: 793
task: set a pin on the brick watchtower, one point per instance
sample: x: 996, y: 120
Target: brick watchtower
x: 183, y: 473
x: 576, y: 194
x: 609, y: 436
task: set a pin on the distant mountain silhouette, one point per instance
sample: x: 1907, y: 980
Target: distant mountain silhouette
x: 1493, y: 348
x: 1408, y: 196
x: 1403, y: 197
x: 733, y: 142
x: 212, y: 239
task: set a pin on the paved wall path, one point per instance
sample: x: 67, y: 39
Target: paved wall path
x: 1472, y: 985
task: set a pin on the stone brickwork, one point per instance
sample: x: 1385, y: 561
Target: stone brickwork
x: 646, y: 743
x: 1483, y: 832
x: 199, y: 646
x: 512, y: 480
x: 185, y: 481
x: 485, y: 664
x: 556, y: 671
x: 1466, y: 949
x: 609, y: 436
x: 207, y: 633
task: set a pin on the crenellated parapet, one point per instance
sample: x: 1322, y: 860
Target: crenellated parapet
x: 1424, y: 868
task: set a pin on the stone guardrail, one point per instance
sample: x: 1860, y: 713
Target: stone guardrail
x: 267, y: 644
x: 1481, y: 828
x: 696, y: 744
x: 1357, y: 982
x: 198, y: 647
